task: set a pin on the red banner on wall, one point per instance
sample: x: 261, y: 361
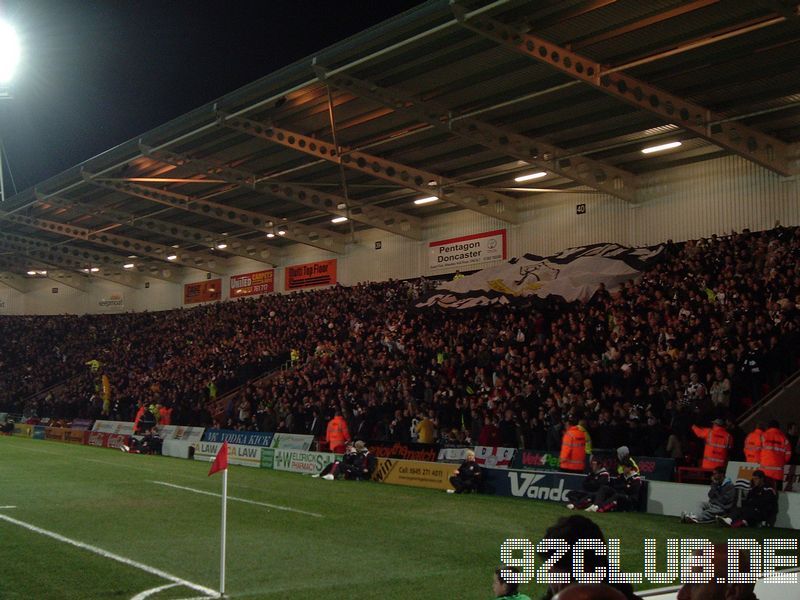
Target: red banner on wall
x: 250, y: 284
x: 311, y: 275
x: 202, y: 291
x: 105, y: 440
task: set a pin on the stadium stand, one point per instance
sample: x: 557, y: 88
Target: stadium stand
x: 702, y: 335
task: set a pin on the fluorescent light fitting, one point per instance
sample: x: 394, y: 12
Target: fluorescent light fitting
x: 9, y: 52
x: 270, y: 235
x: 660, y: 147
x: 339, y: 220
x: 31, y: 272
x: 222, y: 246
x: 94, y: 269
x: 172, y: 257
x: 281, y: 232
x: 530, y: 176
x: 128, y: 266
x: 427, y: 200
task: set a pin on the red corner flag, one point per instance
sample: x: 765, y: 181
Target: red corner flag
x: 221, y: 461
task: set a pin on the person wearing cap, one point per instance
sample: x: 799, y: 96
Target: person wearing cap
x: 753, y: 443
x: 573, y: 447
x: 759, y: 506
x: 717, y: 444
x: 506, y: 590
x: 775, y: 453
x: 721, y: 498
x: 597, y: 479
x: 467, y: 477
x: 624, y: 459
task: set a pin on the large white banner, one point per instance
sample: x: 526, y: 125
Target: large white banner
x: 495, y: 458
x: 468, y: 251
x: 291, y: 441
x: 574, y: 274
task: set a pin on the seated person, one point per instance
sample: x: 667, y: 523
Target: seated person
x: 467, y: 477
x: 759, y: 506
x: 361, y: 465
x: 597, y: 478
x: 7, y: 428
x: 336, y: 468
x: 622, y: 494
x: 721, y: 498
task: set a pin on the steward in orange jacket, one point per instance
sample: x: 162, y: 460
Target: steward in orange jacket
x: 337, y: 433
x: 752, y: 444
x: 718, y: 442
x: 775, y: 453
x: 573, y: 448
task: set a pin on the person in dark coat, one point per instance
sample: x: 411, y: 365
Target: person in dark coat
x: 622, y: 494
x: 467, y: 477
x: 759, y: 506
x: 597, y: 479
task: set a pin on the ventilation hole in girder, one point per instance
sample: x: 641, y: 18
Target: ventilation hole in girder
x: 390, y: 171
x: 312, y: 146
x: 669, y: 108
x: 361, y: 162
x: 315, y: 199
x: 684, y: 113
x: 376, y: 167
x: 654, y: 101
x: 333, y: 152
x: 542, y: 51
x: 281, y: 136
x: 244, y: 218
x: 301, y: 143
x: 256, y: 221
x: 555, y: 57
x: 419, y: 180
x: 291, y: 139
x: 404, y: 175
x: 288, y: 191
x: 622, y: 85
x: 752, y: 144
x: 590, y: 71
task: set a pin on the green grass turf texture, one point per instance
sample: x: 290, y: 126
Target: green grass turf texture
x: 373, y: 541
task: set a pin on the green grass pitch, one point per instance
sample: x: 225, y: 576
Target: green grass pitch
x: 371, y: 540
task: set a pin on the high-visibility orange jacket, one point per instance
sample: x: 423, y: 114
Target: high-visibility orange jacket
x: 337, y: 433
x: 718, y: 442
x: 139, y: 414
x: 164, y: 416
x: 775, y: 453
x: 752, y: 446
x: 573, y: 449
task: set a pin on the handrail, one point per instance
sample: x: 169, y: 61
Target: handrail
x: 769, y: 398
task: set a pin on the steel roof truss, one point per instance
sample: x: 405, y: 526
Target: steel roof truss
x: 734, y: 136
x: 479, y: 200
x: 581, y: 169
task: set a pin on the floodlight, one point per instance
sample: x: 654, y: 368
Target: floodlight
x: 9, y: 52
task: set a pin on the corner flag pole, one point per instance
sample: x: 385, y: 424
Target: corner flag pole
x: 221, y: 464
x: 223, y: 528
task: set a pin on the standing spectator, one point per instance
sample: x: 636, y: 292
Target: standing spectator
x: 426, y: 430
x: 775, y: 453
x: 337, y: 433
x: 573, y: 448
x: 721, y: 498
x: 717, y: 444
x: 753, y: 443
x: 508, y: 431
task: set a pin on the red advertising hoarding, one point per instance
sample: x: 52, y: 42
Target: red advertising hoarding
x: 311, y: 275
x: 202, y: 291
x: 251, y: 284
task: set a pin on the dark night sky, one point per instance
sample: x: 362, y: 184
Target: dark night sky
x: 96, y: 73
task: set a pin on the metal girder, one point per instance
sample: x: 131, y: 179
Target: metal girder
x: 121, y: 243
x: 375, y: 216
x: 257, y: 251
x: 734, y: 136
x: 73, y: 279
x: 13, y: 280
x: 77, y: 259
x: 297, y: 232
x: 581, y: 169
x: 483, y: 201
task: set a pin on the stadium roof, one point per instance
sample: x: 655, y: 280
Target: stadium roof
x: 454, y: 100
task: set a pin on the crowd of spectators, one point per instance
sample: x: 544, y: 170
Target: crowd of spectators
x: 704, y: 333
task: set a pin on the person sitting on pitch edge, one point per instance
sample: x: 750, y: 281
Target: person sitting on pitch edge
x: 504, y: 590
x: 721, y: 498
x: 361, y: 465
x: 759, y: 506
x: 467, y: 477
x: 622, y: 494
x: 597, y: 479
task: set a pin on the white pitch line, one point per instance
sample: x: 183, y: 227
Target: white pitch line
x: 245, y: 500
x: 1, y: 507
x: 112, y: 556
x: 150, y: 592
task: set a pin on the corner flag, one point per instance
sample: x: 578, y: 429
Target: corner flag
x: 221, y: 460
x: 221, y: 464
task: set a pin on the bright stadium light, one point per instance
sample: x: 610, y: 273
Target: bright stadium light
x: 172, y: 257
x: 339, y: 220
x: 427, y: 200
x: 270, y: 235
x: 660, y: 147
x: 9, y: 52
x: 128, y: 266
x: 530, y: 176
